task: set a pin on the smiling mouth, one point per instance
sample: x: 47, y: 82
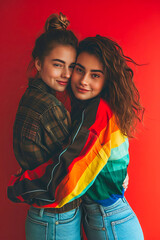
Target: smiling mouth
x: 62, y: 83
x: 82, y: 90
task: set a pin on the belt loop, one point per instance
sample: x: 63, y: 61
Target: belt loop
x: 102, y: 210
x: 41, y: 211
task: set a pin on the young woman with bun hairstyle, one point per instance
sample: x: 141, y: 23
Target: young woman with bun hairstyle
x: 42, y: 125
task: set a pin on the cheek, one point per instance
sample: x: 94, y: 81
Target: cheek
x: 56, y: 73
x: 72, y: 84
x: 51, y: 72
x: 100, y: 85
x: 74, y: 78
x: 97, y: 87
x: 45, y: 72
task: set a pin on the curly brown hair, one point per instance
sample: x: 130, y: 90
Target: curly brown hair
x: 119, y: 90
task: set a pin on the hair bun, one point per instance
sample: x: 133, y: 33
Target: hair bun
x: 56, y: 21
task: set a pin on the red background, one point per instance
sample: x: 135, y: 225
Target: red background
x: 135, y: 25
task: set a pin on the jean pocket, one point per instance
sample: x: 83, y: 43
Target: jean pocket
x: 124, y: 228
x: 94, y: 221
x: 35, y: 229
x: 69, y: 216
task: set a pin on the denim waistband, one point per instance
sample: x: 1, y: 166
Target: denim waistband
x: 66, y: 208
x: 92, y: 206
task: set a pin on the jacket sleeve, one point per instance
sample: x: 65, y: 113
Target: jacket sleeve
x: 34, y: 142
x: 76, y: 168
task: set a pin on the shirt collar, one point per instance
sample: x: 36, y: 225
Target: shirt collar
x: 41, y: 85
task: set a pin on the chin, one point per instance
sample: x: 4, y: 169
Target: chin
x: 61, y: 89
x: 83, y: 98
x: 79, y: 96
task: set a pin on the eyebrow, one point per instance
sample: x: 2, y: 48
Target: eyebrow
x: 58, y: 60
x: 61, y: 61
x: 92, y: 70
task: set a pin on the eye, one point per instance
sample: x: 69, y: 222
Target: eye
x: 95, y: 75
x: 79, y: 70
x: 72, y: 66
x: 58, y: 65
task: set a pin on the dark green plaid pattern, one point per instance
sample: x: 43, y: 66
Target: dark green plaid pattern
x: 41, y: 126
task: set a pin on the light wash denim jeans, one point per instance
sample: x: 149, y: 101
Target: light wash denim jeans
x: 41, y: 225
x: 114, y: 222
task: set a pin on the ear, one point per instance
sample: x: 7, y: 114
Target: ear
x: 38, y: 64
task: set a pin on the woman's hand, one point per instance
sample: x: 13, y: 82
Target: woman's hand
x: 126, y: 182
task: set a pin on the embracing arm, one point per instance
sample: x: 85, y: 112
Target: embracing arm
x: 34, y: 144
x: 77, y: 166
x: 36, y: 138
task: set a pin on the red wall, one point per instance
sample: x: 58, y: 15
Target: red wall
x: 135, y: 26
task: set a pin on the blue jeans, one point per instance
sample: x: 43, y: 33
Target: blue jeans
x: 42, y: 225
x: 117, y: 221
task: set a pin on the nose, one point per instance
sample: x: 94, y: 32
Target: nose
x: 84, y: 80
x: 66, y: 73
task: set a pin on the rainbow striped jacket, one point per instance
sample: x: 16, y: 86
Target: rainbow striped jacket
x: 94, y: 163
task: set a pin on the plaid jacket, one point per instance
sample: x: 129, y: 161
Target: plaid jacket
x: 41, y: 128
